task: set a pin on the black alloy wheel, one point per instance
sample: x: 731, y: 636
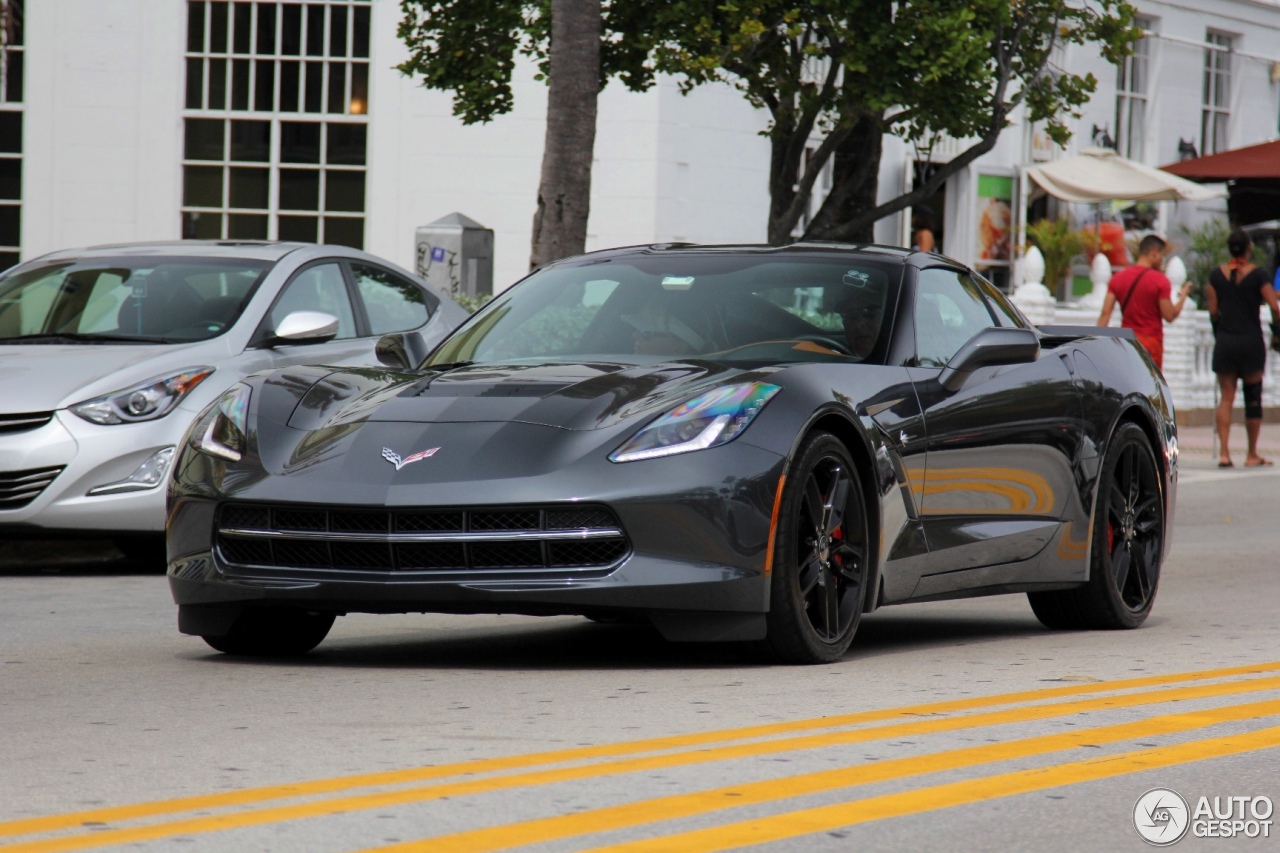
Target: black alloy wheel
x: 1127, y: 547
x: 820, y: 566
x: 273, y: 631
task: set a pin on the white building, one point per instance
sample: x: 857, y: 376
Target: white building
x: 128, y: 120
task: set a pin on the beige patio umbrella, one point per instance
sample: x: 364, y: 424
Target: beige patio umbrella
x: 1100, y: 174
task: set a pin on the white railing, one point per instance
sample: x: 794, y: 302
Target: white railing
x: 1188, y: 341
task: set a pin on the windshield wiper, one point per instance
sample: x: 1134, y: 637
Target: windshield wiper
x: 83, y: 338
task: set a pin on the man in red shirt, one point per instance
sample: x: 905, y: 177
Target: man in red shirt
x: 1143, y: 292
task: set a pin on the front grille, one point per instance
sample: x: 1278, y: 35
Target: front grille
x: 24, y: 421
x: 482, y: 541
x: 19, y: 488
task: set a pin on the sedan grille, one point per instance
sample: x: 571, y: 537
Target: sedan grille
x: 464, y: 543
x: 19, y: 488
x: 24, y: 421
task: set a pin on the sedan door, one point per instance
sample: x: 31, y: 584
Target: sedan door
x: 1000, y: 451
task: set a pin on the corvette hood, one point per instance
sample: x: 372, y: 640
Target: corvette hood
x: 577, y: 396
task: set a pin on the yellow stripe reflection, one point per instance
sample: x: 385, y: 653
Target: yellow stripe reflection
x: 774, y: 790
x: 826, y: 818
x: 701, y: 755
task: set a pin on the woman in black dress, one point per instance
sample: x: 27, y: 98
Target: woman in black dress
x: 1236, y: 292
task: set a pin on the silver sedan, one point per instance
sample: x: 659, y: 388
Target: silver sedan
x: 107, y: 355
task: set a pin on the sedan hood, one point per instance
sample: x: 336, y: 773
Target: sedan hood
x: 578, y: 396
x: 42, y: 378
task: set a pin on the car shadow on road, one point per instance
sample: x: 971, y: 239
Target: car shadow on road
x: 568, y: 644
x: 76, y: 557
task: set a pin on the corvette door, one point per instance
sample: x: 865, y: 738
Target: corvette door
x: 998, y: 463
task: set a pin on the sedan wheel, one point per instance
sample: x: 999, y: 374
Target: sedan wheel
x: 273, y: 631
x: 820, y: 565
x: 1127, y: 548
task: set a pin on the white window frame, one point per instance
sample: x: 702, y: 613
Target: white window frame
x: 7, y: 50
x: 1215, y: 97
x: 277, y: 118
x: 1132, y: 100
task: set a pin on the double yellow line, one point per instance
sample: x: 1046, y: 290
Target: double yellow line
x: 344, y: 794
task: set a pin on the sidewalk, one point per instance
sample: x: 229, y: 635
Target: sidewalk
x: 1198, y: 445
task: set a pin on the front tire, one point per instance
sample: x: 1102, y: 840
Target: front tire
x: 820, y: 567
x: 1127, y: 547
x: 273, y: 631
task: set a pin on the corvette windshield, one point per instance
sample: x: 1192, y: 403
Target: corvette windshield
x: 738, y: 307
x: 123, y: 299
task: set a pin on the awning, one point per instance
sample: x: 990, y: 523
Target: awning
x: 1100, y: 174
x: 1255, y: 162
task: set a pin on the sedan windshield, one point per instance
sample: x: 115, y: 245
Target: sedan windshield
x: 715, y: 305
x: 137, y: 300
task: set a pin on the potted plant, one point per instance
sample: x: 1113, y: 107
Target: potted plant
x: 1059, y: 243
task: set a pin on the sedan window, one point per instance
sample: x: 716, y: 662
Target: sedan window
x: 135, y: 299
x: 391, y: 303
x: 317, y: 288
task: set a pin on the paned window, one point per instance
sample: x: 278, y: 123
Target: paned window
x: 1131, y: 97
x: 11, y: 56
x: 276, y: 127
x: 1216, y: 99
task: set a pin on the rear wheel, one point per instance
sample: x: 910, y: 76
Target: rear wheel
x: 819, y: 580
x: 274, y: 631
x: 1127, y: 547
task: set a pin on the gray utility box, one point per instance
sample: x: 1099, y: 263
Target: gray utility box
x: 455, y: 253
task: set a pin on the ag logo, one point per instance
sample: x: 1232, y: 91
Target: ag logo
x: 1161, y: 817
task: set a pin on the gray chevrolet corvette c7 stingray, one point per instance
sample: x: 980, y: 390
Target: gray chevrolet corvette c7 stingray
x: 734, y: 443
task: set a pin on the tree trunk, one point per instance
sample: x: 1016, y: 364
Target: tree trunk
x: 855, y: 180
x: 564, y: 193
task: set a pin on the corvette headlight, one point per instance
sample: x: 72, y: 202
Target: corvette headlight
x: 708, y: 420
x: 220, y: 431
x: 147, y: 401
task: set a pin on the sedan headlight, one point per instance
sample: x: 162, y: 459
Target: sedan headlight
x: 147, y: 401
x: 708, y: 420
x: 220, y: 431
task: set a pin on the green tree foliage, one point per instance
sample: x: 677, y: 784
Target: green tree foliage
x: 469, y: 48
x: 846, y: 71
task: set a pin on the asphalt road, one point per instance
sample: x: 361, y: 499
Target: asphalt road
x: 955, y: 726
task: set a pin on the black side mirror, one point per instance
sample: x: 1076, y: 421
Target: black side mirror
x: 990, y: 347
x: 402, y: 350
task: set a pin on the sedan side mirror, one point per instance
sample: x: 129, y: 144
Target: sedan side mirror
x: 990, y: 347
x: 402, y: 350
x: 304, y: 327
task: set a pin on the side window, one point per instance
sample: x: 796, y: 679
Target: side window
x: 949, y: 311
x: 392, y: 304
x: 1006, y: 315
x: 317, y: 288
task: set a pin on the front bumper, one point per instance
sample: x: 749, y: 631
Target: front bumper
x: 698, y: 526
x: 91, y: 456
